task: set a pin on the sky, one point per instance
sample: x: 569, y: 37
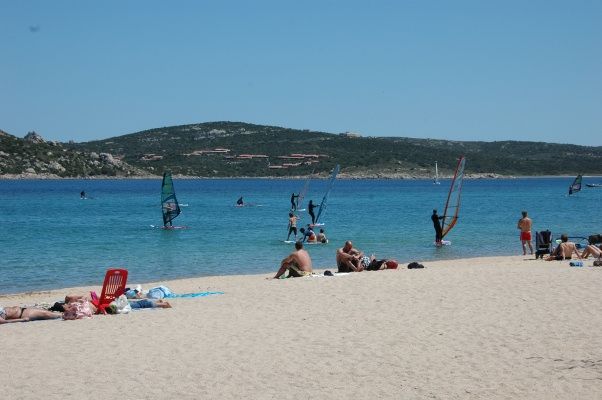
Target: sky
x: 456, y: 70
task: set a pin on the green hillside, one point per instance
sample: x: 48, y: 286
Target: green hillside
x: 233, y: 149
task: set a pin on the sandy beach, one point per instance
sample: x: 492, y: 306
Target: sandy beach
x: 484, y: 328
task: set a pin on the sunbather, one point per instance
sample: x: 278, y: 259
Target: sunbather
x: 24, y: 314
x: 298, y: 263
x: 349, y: 259
x: 135, y: 304
x: 592, y: 250
x: 564, y: 251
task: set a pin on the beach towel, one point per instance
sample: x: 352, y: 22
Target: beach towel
x: 191, y: 295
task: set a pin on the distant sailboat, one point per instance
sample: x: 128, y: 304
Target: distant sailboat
x: 169, y: 204
x: 436, y: 180
x: 324, y: 202
x: 576, y: 185
x: 452, y: 206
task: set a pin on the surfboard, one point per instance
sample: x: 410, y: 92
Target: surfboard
x: 288, y: 241
x: 443, y: 243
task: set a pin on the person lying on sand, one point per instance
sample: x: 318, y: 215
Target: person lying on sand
x: 592, y: 250
x: 24, y: 314
x: 298, y: 263
x: 564, y: 251
x: 349, y: 259
x: 135, y: 304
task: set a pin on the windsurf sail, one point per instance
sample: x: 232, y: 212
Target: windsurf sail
x: 452, y: 206
x: 303, y: 192
x: 324, y: 202
x: 169, y: 203
x: 576, y: 185
x: 436, y: 180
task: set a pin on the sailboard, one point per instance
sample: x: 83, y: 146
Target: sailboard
x: 436, y: 180
x: 452, y: 205
x: 169, y: 203
x: 576, y: 185
x: 593, y: 185
x: 324, y: 202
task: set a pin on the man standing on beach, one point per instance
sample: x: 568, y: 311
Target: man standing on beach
x: 524, y: 224
x: 298, y: 263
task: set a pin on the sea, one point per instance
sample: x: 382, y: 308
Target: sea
x: 51, y: 238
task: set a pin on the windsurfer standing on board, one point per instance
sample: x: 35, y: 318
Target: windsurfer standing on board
x: 82, y: 195
x: 310, y: 210
x: 524, y: 224
x: 437, y: 225
x: 240, y: 202
x: 294, y: 200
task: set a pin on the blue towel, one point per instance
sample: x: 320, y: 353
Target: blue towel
x: 189, y: 295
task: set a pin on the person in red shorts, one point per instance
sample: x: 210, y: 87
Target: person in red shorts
x: 524, y: 224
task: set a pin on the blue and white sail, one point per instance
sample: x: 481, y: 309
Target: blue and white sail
x: 324, y: 202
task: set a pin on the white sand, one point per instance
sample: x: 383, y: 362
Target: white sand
x: 487, y: 328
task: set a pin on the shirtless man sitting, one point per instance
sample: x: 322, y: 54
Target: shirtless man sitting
x: 349, y: 259
x: 298, y: 263
x: 564, y: 251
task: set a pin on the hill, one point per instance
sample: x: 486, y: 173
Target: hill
x: 234, y: 149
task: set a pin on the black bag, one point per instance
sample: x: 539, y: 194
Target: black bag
x: 414, y: 265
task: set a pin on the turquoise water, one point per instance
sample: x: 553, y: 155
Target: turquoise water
x: 52, y: 239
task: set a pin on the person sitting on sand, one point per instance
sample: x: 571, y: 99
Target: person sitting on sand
x: 564, y: 251
x: 349, y: 259
x: 592, y: 250
x: 24, y: 314
x: 322, y: 236
x: 298, y: 263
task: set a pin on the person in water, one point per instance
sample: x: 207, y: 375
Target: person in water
x: 294, y: 201
x: 298, y: 263
x: 292, y: 225
x: 82, y: 194
x: 437, y: 225
x: 24, y: 314
x: 310, y: 210
x: 240, y: 201
x: 524, y: 224
x: 308, y: 234
x: 322, y: 236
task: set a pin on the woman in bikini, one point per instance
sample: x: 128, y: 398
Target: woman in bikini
x: 24, y: 314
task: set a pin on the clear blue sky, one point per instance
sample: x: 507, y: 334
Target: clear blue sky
x: 460, y: 70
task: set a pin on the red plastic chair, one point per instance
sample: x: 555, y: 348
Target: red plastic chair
x: 112, y: 287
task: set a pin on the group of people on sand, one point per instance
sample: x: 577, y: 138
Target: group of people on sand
x: 24, y: 314
x: 564, y: 251
x: 348, y: 259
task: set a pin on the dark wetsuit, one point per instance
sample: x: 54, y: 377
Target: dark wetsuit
x: 240, y: 202
x: 437, y: 225
x: 310, y: 210
x: 293, y: 202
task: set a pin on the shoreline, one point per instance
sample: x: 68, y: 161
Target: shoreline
x: 193, y: 279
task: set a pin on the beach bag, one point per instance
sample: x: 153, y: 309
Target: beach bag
x: 122, y: 305
x: 77, y: 310
x: 415, y: 265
